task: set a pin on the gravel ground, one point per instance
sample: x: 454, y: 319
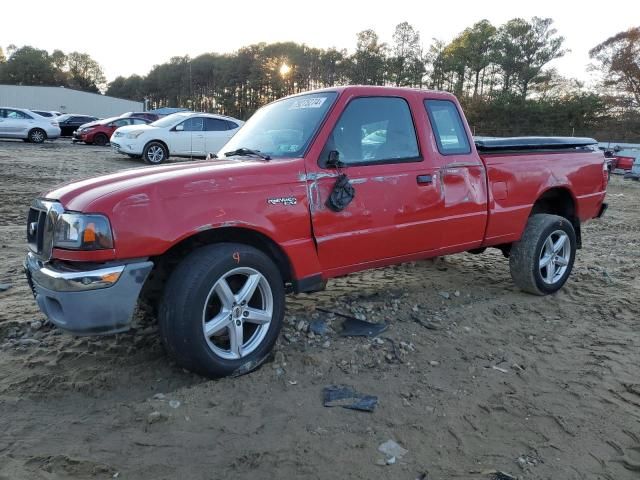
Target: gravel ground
x: 473, y: 376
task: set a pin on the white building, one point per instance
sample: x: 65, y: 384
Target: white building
x: 66, y: 100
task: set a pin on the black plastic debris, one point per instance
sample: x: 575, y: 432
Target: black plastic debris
x: 352, y: 327
x: 502, y: 476
x: 346, y: 397
x: 341, y: 194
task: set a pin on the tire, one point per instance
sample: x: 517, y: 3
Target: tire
x: 155, y: 153
x: 540, y: 264
x: 100, y: 140
x: 195, y: 297
x: 37, y: 135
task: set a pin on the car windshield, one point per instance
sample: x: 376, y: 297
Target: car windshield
x: 170, y: 120
x: 283, y: 129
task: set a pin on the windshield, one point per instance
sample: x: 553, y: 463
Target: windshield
x: 283, y: 128
x: 170, y: 120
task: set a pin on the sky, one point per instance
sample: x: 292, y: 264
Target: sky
x: 128, y: 37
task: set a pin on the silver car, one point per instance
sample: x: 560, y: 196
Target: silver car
x: 29, y: 126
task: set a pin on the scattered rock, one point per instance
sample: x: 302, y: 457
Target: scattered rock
x: 36, y: 325
x: 174, y: 403
x: 326, y: 344
x: 457, y: 293
x: 155, y: 417
x: 159, y: 396
x: 391, y: 460
x: 28, y: 342
x: 302, y: 326
x: 318, y: 327
x: 279, y: 358
x: 392, y: 449
x: 434, y: 363
x: 444, y: 295
x: 5, y: 286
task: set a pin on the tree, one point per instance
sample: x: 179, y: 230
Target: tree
x: 3, y: 59
x: 131, y: 88
x: 368, y: 61
x: 618, y: 58
x: 405, y: 64
x: 28, y: 66
x: 479, y: 42
x: 84, y: 73
x: 523, y: 49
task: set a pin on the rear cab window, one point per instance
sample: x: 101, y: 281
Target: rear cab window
x: 451, y: 136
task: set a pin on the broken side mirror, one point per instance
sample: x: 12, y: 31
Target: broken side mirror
x: 333, y: 160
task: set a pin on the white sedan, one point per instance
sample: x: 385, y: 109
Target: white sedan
x: 184, y: 134
x: 29, y: 126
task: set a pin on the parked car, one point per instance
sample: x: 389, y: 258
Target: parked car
x: 29, y: 126
x: 100, y: 131
x: 295, y: 199
x: 152, y: 117
x: 47, y: 113
x: 181, y: 135
x: 70, y: 122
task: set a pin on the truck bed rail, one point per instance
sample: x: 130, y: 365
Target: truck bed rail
x: 525, y: 144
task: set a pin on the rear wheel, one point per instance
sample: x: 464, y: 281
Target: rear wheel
x: 155, y: 153
x: 542, y: 260
x: 222, y: 310
x: 100, y: 139
x: 37, y: 135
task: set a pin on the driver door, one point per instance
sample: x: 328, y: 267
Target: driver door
x: 397, y: 203
x: 188, y: 137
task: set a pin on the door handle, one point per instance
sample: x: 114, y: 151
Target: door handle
x: 424, y: 179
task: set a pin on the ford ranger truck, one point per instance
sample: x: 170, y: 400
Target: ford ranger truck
x: 314, y: 186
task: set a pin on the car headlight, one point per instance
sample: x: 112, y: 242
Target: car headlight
x: 135, y: 134
x: 77, y: 231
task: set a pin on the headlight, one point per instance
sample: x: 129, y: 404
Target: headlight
x: 135, y: 134
x: 77, y: 231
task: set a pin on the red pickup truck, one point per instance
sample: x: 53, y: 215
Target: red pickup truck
x: 314, y: 186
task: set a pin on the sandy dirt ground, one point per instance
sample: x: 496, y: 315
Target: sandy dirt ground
x: 473, y: 376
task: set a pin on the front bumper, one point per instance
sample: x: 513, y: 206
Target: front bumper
x: 87, y: 302
x: 120, y: 145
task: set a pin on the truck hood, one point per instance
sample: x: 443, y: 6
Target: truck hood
x: 187, y: 178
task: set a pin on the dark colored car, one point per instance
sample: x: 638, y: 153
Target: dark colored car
x: 100, y: 131
x: 70, y: 122
x: 152, y: 117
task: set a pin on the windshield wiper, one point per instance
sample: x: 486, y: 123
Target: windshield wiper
x: 246, y: 152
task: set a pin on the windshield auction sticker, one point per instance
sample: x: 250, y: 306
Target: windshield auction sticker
x: 314, y: 102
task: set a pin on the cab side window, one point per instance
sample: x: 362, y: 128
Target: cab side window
x: 194, y: 124
x: 448, y: 128
x: 374, y: 130
x: 215, y: 125
x: 16, y: 115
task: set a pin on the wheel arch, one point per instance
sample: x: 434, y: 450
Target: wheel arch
x: 559, y: 201
x: 165, y: 263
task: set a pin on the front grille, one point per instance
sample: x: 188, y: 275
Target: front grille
x: 35, y: 229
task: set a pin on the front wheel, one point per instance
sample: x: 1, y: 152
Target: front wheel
x: 155, y: 153
x: 222, y: 310
x: 541, y: 261
x: 100, y: 140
